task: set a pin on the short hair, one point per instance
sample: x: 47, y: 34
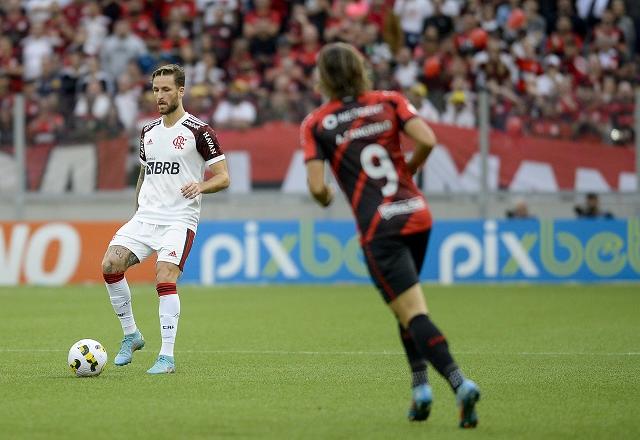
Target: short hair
x: 170, y: 69
x: 341, y: 71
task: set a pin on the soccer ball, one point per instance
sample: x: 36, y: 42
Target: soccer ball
x: 87, y: 358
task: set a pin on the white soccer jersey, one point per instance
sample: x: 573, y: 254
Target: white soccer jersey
x: 173, y: 157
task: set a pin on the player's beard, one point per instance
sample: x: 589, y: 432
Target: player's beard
x: 171, y: 107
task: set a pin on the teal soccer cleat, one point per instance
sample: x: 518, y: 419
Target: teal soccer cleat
x: 164, y: 364
x: 421, y: 404
x: 130, y: 343
x: 467, y: 396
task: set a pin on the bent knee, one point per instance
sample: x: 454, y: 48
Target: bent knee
x: 111, y: 265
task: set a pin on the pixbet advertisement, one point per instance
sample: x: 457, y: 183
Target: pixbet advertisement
x: 328, y: 252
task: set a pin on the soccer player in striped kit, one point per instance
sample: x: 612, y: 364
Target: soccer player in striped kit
x: 357, y: 132
x: 175, y: 150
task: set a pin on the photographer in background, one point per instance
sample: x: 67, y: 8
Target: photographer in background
x: 591, y: 208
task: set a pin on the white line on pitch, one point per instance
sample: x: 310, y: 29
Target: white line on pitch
x: 350, y: 353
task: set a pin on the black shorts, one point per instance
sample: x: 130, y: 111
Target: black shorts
x: 395, y: 263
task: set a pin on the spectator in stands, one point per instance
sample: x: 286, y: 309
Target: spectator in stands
x: 591, y: 208
x: 49, y: 81
x: 15, y: 24
x: 37, y: 45
x: 177, y: 37
x: 207, y: 71
x: 442, y: 22
x: 92, y: 70
x: 547, y: 83
x: 590, y: 118
x: 31, y: 99
x: 10, y: 65
x: 459, y: 111
x: 126, y: 102
x: 240, y: 59
x: 6, y: 113
x: 562, y: 36
x: 283, y: 102
x: 621, y: 113
x: 346, y: 24
x: 199, y: 101
x: 261, y: 26
x: 141, y: 20
x: 95, y: 26
x: 92, y: 110
x: 406, y: 70
x: 374, y: 46
x: 214, y: 12
x: 591, y: 11
x: 625, y: 24
x: 221, y: 28
x: 307, y: 51
x: 48, y: 125
x: 417, y: 95
x: 412, y: 14
x: 120, y: 48
x: 608, y: 42
x: 236, y: 110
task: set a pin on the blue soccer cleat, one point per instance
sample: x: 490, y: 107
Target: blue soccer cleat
x: 130, y: 343
x: 164, y: 364
x: 467, y: 396
x: 421, y: 403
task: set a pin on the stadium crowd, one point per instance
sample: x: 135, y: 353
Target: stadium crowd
x: 561, y: 69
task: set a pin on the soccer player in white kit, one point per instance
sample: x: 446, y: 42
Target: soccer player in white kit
x: 175, y: 149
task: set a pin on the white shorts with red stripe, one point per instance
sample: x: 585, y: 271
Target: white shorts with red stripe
x: 171, y: 242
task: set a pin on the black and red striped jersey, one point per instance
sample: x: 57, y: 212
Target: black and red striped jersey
x: 360, y: 139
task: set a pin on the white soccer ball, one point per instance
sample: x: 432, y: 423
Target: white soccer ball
x: 87, y: 358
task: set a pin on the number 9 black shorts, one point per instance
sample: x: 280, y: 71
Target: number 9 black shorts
x: 395, y: 262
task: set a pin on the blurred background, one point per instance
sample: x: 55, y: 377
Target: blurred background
x: 549, y: 84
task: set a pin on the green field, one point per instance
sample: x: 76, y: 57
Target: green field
x: 553, y: 362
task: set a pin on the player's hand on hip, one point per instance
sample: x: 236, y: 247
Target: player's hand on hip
x: 329, y: 197
x: 191, y: 190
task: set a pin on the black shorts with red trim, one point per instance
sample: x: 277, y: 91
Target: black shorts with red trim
x: 395, y: 262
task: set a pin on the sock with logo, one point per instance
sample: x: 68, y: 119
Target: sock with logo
x: 120, y: 297
x: 433, y: 346
x: 169, y: 311
x: 416, y: 362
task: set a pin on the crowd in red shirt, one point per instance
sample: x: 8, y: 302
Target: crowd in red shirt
x: 552, y: 68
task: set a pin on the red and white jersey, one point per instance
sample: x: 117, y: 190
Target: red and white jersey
x: 172, y: 157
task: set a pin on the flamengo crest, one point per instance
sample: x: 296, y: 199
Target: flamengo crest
x: 178, y: 142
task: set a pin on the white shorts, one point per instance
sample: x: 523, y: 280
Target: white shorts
x: 171, y: 242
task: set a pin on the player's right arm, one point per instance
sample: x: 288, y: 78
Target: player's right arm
x: 139, y: 184
x: 314, y: 159
x: 321, y: 192
x: 143, y: 165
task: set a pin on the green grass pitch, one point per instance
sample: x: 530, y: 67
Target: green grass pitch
x: 553, y: 362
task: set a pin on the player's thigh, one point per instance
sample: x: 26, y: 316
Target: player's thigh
x: 391, y: 266
x: 174, y: 245
x: 409, y: 304
x: 129, y: 246
x: 418, y: 244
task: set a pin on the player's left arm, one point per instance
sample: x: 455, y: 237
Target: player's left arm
x: 418, y: 130
x: 219, y: 181
x: 425, y: 140
x: 321, y: 192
